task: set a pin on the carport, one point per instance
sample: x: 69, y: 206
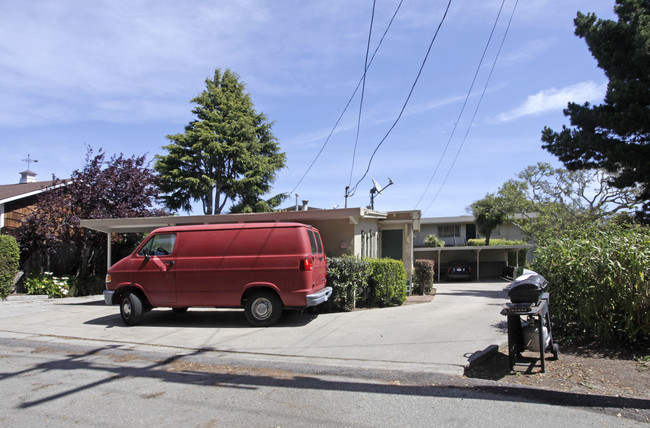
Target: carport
x: 445, y: 254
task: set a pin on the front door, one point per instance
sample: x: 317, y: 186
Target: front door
x: 391, y: 244
x: 470, y: 231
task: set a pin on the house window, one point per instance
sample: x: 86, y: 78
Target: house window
x: 449, y: 231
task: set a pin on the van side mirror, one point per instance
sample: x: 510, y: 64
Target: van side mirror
x: 146, y: 253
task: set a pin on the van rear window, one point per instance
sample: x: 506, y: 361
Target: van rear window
x: 312, y: 241
x: 318, y: 241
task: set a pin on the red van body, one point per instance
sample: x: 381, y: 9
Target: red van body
x: 262, y: 267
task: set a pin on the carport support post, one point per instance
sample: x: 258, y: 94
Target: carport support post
x: 108, y: 250
x: 478, y: 264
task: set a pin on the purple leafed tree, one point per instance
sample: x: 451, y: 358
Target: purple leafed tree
x: 118, y: 187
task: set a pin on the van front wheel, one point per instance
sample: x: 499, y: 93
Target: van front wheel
x: 263, y: 309
x: 131, y: 309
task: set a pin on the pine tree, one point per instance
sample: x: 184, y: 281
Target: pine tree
x: 227, y: 154
x: 614, y: 135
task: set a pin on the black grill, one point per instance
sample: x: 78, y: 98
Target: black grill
x: 527, y: 289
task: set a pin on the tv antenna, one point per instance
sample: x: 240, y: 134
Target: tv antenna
x: 29, y: 160
x: 376, y: 190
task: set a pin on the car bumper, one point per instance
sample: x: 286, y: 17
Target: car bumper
x: 319, y: 297
x: 108, y: 296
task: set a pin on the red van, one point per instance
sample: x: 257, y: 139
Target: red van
x: 262, y: 267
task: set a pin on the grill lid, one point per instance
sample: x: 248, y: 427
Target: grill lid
x: 527, y: 288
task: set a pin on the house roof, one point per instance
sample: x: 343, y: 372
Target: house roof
x: 147, y: 224
x: 448, y: 220
x: 13, y: 192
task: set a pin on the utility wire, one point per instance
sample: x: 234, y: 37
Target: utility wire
x: 462, y: 109
x: 405, y: 102
x: 363, y: 91
x: 349, y: 101
x: 477, y: 106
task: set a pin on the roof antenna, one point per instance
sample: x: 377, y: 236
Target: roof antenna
x: 377, y: 189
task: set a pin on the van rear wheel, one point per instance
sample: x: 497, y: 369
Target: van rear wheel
x: 131, y: 309
x: 263, y: 308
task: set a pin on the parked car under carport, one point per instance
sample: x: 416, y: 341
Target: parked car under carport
x: 458, y: 270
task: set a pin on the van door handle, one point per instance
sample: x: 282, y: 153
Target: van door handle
x: 170, y: 262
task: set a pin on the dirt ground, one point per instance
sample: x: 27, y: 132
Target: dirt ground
x: 586, y: 376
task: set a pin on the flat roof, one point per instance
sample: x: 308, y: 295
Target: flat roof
x: 147, y: 224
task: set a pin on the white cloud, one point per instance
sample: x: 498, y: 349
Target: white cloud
x: 555, y: 99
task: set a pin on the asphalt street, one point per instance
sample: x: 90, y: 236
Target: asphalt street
x: 72, y: 362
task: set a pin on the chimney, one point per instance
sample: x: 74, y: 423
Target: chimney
x: 27, y: 177
x: 305, y: 204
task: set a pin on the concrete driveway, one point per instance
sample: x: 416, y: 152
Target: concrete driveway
x: 440, y: 336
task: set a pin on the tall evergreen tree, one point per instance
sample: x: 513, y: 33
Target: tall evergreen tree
x: 614, y: 135
x: 227, y: 154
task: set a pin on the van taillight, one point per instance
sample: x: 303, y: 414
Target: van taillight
x: 306, y: 264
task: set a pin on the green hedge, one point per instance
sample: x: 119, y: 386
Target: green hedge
x: 364, y: 283
x: 599, y: 281
x: 387, y: 282
x: 423, y: 273
x: 9, y: 263
x: 348, y: 276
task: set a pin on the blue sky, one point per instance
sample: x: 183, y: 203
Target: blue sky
x: 119, y: 75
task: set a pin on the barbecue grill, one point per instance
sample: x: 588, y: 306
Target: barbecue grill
x: 528, y: 298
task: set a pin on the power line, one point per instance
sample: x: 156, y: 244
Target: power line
x: 477, y: 106
x: 363, y: 91
x: 462, y: 109
x: 405, y: 102
x: 349, y: 101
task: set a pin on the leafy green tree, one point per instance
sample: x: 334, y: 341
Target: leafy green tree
x: 614, y: 135
x: 228, y: 154
x: 545, y: 200
x: 489, y: 212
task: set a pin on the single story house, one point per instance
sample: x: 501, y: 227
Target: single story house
x: 17, y: 201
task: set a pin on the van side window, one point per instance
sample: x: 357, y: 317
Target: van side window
x: 318, y: 241
x: 159, y: 245
x: 312, y: 241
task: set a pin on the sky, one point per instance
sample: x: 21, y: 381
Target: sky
x: 119, y: 75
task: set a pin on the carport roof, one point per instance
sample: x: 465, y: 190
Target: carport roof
x: 147, y: 224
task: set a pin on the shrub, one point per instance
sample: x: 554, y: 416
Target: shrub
x: 387, y: 283
x: 522, y: 258
x: 9, y: 262
x: 348, y: 277
x: 423, y: 273
x: 48, y: 284
x: 433, y: 241
x: 599, y: 282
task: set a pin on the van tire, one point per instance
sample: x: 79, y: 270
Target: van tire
x: 263, y: 308
x: 131, y: 309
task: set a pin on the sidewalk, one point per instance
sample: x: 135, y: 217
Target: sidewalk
x: 443, y: 335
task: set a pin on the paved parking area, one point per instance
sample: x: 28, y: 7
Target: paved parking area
x: 461, y: 322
